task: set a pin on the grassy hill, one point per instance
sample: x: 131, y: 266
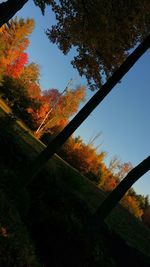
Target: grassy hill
x: 57, y: 206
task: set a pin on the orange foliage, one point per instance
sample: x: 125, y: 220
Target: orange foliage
x: 16, y: 68
x: 38, y: 114
x: 83, y: 157
x: 14, y: 37
x: 90, y: 163
x: 34, y: 91
x: 57, y: 108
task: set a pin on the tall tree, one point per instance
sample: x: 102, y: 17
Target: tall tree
x: 56, y: 109
x: 14, y: 38
x: 102, y: 33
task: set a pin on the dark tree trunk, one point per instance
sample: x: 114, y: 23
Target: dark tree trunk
x: 41, y: 160
x: 9, y: 9
x: 115, y: 196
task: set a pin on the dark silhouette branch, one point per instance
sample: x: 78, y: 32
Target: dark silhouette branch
x: 41, y: 160
x: 9, y: 9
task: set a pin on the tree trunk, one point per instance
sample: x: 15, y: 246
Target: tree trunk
x: 115, y: 196
x: 9, y: 9
x: 44, y: 156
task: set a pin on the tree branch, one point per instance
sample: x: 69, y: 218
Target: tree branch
x: 9, y: 9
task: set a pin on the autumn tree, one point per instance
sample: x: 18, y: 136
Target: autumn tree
x: 13, y: 61
x: 84, y: 157
x: 30, y: 74
x: 135, y: 203
x: 24, y: 92
x: 58, y: 107
x: 14, y: 38
x: 107, y: 181
x: 16, y: 95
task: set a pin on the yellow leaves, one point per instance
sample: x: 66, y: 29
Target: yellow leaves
x: 31, y: 73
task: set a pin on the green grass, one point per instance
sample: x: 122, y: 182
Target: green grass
x: 71, y: 181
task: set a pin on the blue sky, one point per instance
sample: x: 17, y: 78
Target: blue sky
x: 123, y: 117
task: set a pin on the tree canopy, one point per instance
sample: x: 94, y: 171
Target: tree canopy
x: 102, y: 32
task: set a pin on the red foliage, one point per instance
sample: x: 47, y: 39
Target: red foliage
x: 50, y: 96
x: 16, y: 68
